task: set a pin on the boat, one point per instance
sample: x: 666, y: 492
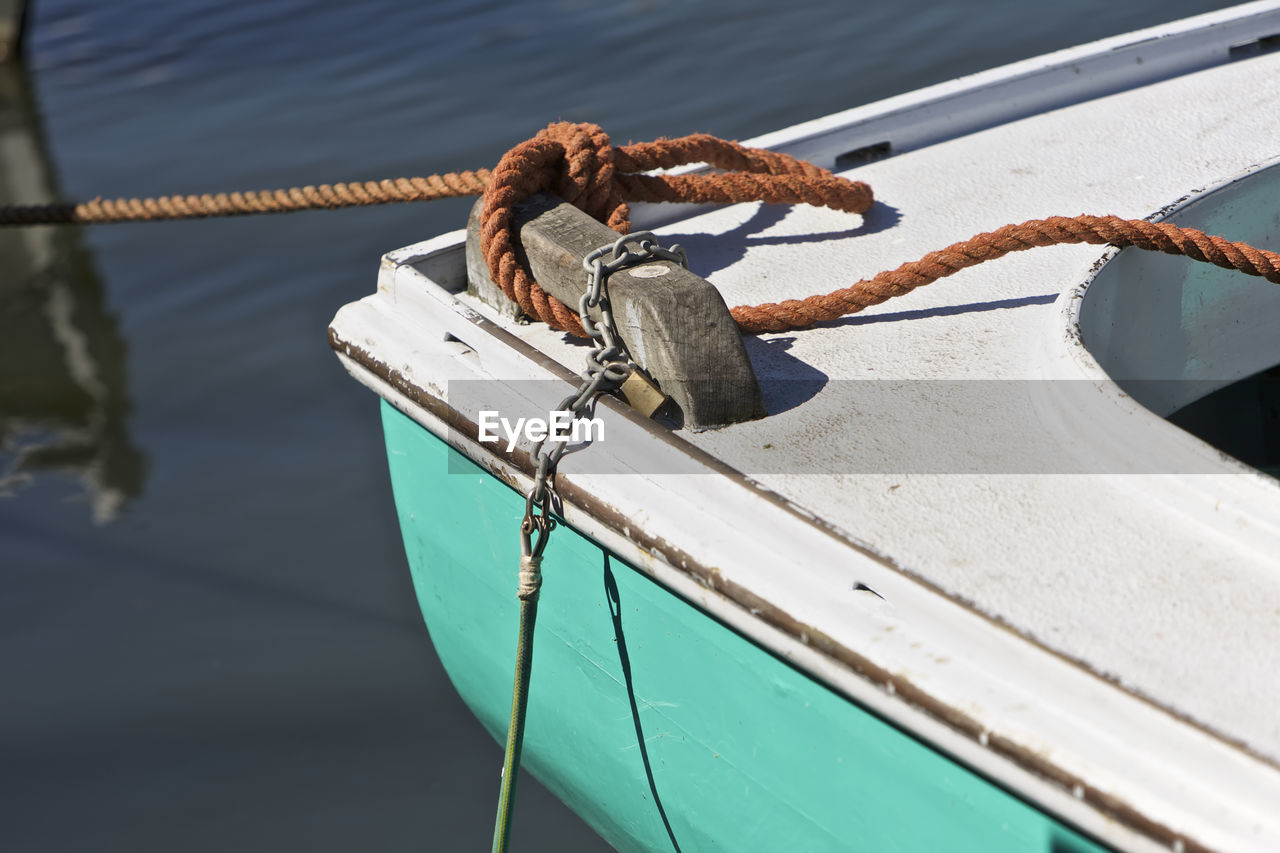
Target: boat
x: 999, y: 567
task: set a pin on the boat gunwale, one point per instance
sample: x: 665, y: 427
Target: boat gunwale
x: 1006, y: 93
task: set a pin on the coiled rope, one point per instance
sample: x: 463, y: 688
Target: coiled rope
x: 578, y: 163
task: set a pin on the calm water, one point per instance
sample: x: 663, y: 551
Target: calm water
x: 207, y: 634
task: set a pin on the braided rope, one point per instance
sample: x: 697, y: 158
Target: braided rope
x: 578, y: 163
x: 324, y: 197
x: 1098, y: 230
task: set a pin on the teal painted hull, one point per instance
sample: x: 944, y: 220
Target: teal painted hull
x: 660, y: 726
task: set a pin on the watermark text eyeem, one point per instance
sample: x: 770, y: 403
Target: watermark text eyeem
x: 558, y: 426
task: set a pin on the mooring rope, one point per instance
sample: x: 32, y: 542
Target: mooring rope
x: 324, y: 197
x: 578, y: 163
x: 1099, y: 230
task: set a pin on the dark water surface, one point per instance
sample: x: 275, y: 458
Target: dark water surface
x: 208, y: 639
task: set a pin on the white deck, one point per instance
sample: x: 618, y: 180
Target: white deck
x: 1166, y: 585
x: 1170, y: 605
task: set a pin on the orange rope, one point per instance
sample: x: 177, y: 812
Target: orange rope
x: 324, y: 197
x: 1099, y: 230
x: 578, y: 163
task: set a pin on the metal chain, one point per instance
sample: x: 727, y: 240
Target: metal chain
x: 608, y: 365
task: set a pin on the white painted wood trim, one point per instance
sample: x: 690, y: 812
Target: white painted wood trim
x: 1029, y: 87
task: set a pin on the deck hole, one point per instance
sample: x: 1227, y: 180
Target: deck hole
x: 862, y: 587
x: 865, y: 154
x: 1266, y: 44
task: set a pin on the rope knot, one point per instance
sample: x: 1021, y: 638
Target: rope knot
x: 578, y: 163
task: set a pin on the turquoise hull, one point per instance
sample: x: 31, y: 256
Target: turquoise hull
x: 660, y: 726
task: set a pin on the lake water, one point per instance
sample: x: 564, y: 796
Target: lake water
x: 208, y: 639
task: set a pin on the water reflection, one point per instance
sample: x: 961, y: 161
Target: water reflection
x: 63, y: 383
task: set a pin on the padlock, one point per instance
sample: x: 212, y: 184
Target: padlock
x: 642, y: 393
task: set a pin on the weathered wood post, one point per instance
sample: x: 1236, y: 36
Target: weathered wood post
x: 674, y: 323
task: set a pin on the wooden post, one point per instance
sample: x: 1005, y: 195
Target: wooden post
x: 675, y: 324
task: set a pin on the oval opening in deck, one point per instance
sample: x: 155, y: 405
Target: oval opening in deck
x: 1159, y: 333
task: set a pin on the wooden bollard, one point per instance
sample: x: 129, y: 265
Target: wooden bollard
x: 674, y: 323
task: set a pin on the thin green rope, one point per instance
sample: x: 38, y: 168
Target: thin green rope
x: 515, y: 729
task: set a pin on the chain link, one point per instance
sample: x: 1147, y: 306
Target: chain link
x: 608, y: 365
